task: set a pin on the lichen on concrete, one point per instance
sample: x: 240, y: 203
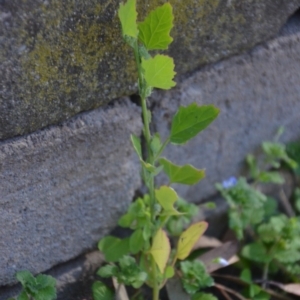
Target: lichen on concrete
x: 62, y: 57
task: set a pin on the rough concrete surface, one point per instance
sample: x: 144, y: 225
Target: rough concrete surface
x: 58, y: 58
x: 64, y: 187
x: 257, y: 93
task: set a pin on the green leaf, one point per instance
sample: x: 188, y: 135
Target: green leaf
x: 188, y: 239
x: 166, y: 197
x: 107, y: 271
x: 186, y: 174
x: 101, y: 291
x: 195, y: 276
x: 23, y: 296
x: 169, y: 272
x: 113, y: 248
x: 246, y: 276
x: 127, y: 15
x: 25, y: 278
x: 256, y: 252
x: 45, y: 281
x: 160, y: 249
x: 270, y: 177
x: 47, y: 293
x: 190, y: 120
x: 203, y: 296
x: 154, y: 32
x: 159, y: 71
x: 136, y: 143
x: 136, y: 241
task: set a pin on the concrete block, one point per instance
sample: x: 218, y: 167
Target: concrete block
x: 58, y: 58
x: 64, y: 187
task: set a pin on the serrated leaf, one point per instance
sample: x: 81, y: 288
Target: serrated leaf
x: 107, y: 271
x: 25, y: 278
x: 154, y: 32
x: 160, y: 249
x: 159, y: 71
x: 191, y: 120
x: 188, y: 239
x: 47, y: 293
x: 136, y: 143
x: 114, y: 248
x: 256, y: 252
x: 136, y: 241
x: 127, y: 15
x: 186, y: 174
x: 166, y: 197
x: 23, y: 296
x: 101, y: 291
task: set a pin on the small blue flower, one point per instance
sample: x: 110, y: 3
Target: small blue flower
x: 229, y: 183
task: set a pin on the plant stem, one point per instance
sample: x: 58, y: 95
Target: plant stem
x: 155, y: 290
x: 150, y: 159
x: 265, y: 275
x: 147, y: 133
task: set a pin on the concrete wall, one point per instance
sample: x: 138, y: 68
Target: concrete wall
x: 67, y: 175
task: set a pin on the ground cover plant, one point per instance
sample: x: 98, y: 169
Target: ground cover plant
x: 146, y: 257
x: 269, y: 230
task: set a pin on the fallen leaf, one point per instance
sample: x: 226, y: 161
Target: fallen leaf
x: 207, y: 242
x: 226, y: 252
x: 292, y: 288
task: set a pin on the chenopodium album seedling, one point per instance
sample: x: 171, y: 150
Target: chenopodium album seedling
x: 146, y: 256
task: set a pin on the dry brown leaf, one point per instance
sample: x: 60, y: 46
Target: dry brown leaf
x: 227, y: 251
x: 207, y: 242
x: 292, y: 288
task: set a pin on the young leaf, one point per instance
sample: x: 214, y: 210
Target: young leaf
x: 169, y: 272
x: 166, y: 197
x: 136, y: 241
x: 23, y: 296
x: 47, y: 293
x: 160, y: 249
x: 186, y: 174
x: 188, y: 239
x: 256, y: 252
x: 113, y: 248
x: 154, y: 32
x: 136, y: 143
x: 101, y: 291
x: 25, y: 278
x: 159, y: 71
x: 127, y: 15
x: 190, y: 120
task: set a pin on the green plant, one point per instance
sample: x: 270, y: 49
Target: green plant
x: 274, y: 237
x: 41, y: 287
x: 148, y: 216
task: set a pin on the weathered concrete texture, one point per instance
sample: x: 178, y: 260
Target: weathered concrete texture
x: 256, y: 92
x: 58, y: 58
x: 63, y: 188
